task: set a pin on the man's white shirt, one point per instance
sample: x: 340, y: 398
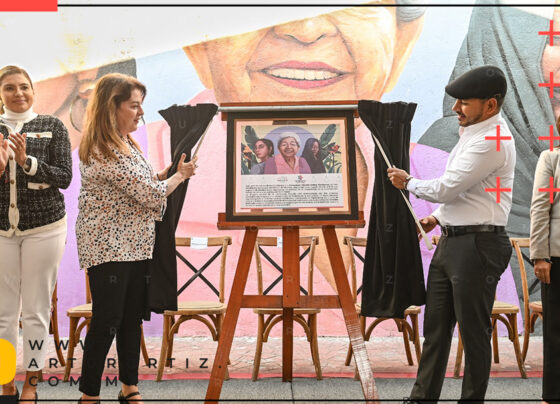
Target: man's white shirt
x: 473, y: 166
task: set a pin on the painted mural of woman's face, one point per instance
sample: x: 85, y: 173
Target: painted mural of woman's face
x: 351, y: 54
x: 261, y: 150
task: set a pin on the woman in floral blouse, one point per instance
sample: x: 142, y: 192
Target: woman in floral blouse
x: 120, y: 200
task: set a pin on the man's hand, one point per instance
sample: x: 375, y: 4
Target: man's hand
x: 397, y: 177
x: 542, y: 270
x: 428, y: 223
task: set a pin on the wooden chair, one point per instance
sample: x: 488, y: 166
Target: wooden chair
x: 83, y: 312
x: 507, y: 314
x: 274, y: 316
x: 532, y: 310
x: 53, y: 327
x: 209, y: 312
x: 410, y: 331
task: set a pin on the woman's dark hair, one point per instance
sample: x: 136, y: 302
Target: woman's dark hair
x: 268, y: 144
x: 307, y: 152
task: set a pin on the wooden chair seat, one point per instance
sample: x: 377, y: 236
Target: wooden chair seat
x: 536, y: 306
x: 504, y: 308
x: 301, y: 311
x: 197, y: 307
x: 83, y: 310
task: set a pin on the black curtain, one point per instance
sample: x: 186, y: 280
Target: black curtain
x: 393, y: 277
x: 188, y: 124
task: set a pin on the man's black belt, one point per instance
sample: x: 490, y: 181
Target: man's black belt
x: 450, y: 231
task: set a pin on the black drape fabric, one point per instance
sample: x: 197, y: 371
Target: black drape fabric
x: 188, y: 124
x: 393, y: 277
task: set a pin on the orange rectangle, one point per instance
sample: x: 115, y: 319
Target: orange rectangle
x: 28, y: 5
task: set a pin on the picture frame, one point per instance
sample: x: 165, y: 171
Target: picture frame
x: 269, y: 177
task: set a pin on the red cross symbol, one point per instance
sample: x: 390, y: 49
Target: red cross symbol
x: 551, y: 84
x: 551, y: 189
x: 497, y: 190
x: 550, y: 138
x: 498, y: 138
x: 551, y: 33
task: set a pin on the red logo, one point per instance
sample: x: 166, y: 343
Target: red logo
x: 28, y: 5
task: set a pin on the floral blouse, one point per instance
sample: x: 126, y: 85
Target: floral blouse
x: 118, y: 205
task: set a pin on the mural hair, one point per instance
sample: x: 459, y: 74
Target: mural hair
x: 8, y: 71
x: 101, y: 134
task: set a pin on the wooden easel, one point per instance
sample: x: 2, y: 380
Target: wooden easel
x: 290, y: 299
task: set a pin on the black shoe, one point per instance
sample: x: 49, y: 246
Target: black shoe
x: 124, y: 400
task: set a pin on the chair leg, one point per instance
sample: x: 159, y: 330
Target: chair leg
x: 495, y: 350
x: 258, y: 351
x: 314, y: 345
x: 164, y: 347
x: 71, y: 344
x: 143, y: 346
x: 526, y: 337
x: 170, y: 341
x: 458, y: 358
x: 56, y: 337
x: 348, y: 355
x: 520, y: 364
x: 406, y: 344
x: 416, y: 336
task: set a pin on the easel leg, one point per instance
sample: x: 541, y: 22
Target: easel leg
x: 232, y: 314
x: 350, y: 316
x: 290, y: 296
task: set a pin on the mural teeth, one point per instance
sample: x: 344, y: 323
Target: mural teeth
x: 300, y: 74
x: 309, y: 75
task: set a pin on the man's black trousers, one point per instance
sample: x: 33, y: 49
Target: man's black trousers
x: 462, y: 281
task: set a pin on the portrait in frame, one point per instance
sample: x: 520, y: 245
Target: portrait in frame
x: 291, y: 165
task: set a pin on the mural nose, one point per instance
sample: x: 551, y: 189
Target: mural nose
x: 306, y: 31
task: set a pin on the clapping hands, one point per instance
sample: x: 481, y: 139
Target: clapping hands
x: 3, y: 155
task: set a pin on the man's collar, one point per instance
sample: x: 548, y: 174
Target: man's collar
x: 477, y: 127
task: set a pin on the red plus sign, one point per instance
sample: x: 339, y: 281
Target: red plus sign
x: 551, y: 33
x: 497, y: 190
x: 498, y: 138
x: 551, y: 189
x: 550, y: 138
x: 551, y: 84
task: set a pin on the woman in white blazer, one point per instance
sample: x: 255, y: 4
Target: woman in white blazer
x: 545, y: 253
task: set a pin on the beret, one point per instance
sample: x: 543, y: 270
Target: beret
x: 481, y: 82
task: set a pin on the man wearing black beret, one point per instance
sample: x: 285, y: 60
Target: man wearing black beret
x: 474, y: 249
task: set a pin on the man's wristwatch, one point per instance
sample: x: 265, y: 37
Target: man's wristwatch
x: 407, y: 180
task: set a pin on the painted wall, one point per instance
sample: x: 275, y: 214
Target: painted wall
x: 356, y: 53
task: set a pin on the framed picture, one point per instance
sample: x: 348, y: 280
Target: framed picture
x: 291, y: 165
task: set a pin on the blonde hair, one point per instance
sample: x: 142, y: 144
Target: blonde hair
x: 101, y: 134
x: 8, y: 71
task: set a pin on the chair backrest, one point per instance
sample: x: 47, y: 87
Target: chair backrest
x: 519, y: 244
x: 308, y: 243
x: 352, y: 243
x: 218, y: 245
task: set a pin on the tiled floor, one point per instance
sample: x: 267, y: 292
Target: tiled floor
x: 386, y: 354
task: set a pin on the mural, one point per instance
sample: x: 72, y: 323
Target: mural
x: 379, y: 53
